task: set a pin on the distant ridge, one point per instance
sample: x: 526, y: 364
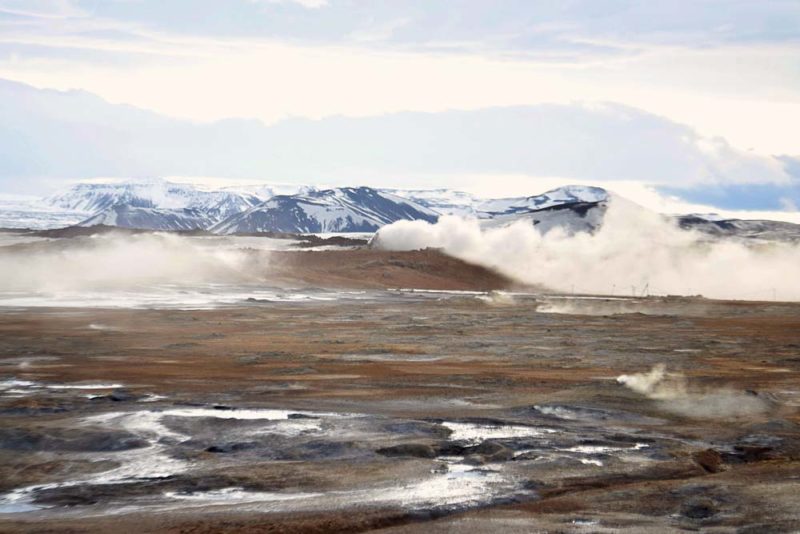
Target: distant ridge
x: 345, y: 209
x: 161, y: 205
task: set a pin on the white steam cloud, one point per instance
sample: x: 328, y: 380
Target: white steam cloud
x: 675, y: 395
x: 113, y: 262
x: 634, y: 251
x: 652, y: 383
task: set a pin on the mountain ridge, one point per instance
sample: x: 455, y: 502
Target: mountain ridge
x: 157, y: 204
x: 346, y: 209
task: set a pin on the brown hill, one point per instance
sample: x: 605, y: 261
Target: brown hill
x: 375, y: 269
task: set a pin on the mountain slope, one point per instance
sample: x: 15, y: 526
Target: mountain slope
x: 571, y: 218
x: 562, y: 196
x: 346, y: 209
x: 442, y: 201
x: 448, y: 202
x: 740, y: 229
x: 125, y: 216
x: 158, y: 194
x: 34, y: 214
x: 162, y: 205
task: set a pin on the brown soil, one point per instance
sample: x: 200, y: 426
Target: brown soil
x: 483, y: 360
x: 377, y: 269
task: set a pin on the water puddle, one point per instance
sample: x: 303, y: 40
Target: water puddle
x: 456, y: 485
x: 476, y: 433
x: 174, y: 436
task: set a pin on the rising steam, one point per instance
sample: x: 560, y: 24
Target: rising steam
x: 634, y: 251
x: 653, y: 383
x: 675, y: 395
x: 120, y: 262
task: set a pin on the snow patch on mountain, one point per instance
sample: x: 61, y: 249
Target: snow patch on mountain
x: 720, y: 227
x: 158, y: 204
x: 155, y: 193
x: 345, y: 209
x: 125, y: 216
x: 267, y: 191
x: 442, y: 201
x: 570, y: 194
x: 31, y: 212
x: 459, y: 203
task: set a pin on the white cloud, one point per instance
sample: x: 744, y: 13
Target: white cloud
x: 788, y: 204
x: 379, y: 32
x: 746, y: 94
x: 309, y: 4
x: 44, y: 9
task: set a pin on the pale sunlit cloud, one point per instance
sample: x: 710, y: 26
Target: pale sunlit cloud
x: 205, y: 79
x: 727, y: 70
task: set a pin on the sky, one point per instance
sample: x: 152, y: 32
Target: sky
x: 694, y: 101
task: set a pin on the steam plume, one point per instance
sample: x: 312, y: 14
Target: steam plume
x: 634, y: 249
x: 110, y: 262
x: 676, y: 396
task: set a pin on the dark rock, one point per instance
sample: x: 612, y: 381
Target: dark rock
x: 487, y: 447
x: 317, y: 450
x: 123, y: 395
x: 532, y: 485
x: 70, y: 499
x: 417, y: 428
x: 529, y: 455
x: 232, y: 447
x: 417, y: 450
x: 70, y: 440
x: 449, y: 448
x: 699, y: 508
x: 753, y: 453
x: 491, y: 451
x: 709, y: 459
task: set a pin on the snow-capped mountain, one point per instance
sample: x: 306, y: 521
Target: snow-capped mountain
x: 716, y: 226
x: 442, y: 201
x: 559, y: 197
x: 572, y: 209
x: 92, y: 198
x: 570, y: 217
x: 345, y: 209
x: 162, y: 205
x: 448, y: 202
x: 126, y: 216
x: 267, y: 191
x: 32, y: 213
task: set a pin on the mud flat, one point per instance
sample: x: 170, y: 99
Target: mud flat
x: 402, y: 412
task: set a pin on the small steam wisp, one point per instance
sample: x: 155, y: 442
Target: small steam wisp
x: 675, y: 395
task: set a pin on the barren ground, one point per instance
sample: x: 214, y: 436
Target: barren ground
x: 404, y: 412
